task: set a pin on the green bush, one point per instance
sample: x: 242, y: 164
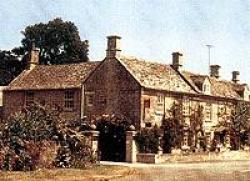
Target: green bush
x: 27, y: 135
x: 147, y: 140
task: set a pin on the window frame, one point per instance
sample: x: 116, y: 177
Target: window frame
x: 90, y: 96
x: 29, y: 98
x: 69, y: 99
x: 160, y: 99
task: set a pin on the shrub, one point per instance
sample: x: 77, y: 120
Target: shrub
x: 33, y: 136
x: 147, y: 140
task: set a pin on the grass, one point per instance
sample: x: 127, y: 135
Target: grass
x: 96, y: 173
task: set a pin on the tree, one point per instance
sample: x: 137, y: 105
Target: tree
x: 173, y: 129
x: 10, y: 67
x: 196, y: 126
x: 238, y: 123
x: 59, y: 42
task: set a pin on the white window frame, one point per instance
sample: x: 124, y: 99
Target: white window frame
x: 69, y: 99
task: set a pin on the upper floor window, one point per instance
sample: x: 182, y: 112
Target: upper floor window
x: 101, y: 98
x: 29, y: 98
x: 160, y: 99
x: 206, y: 88
x: 186, y: 106
x: 208, y: 112
x: 69, y: 99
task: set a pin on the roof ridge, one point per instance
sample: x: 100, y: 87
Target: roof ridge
x: 79, y: 63
x: 143, y: 60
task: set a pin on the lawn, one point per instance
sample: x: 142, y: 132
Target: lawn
x: 96, y: 173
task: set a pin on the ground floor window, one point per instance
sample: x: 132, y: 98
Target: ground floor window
x: 29, y: 98
x: 69, y: 99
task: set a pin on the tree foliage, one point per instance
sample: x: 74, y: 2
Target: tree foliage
x: 237, y: 124
x: 173, y: 129
x: 59, y: 43
x: 10, y: 67
x: 147, y: 140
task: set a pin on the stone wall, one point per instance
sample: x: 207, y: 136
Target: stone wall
x: 14, y: 101
x: 114, y: 91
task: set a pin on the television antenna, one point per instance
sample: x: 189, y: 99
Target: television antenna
x: 209, y: 46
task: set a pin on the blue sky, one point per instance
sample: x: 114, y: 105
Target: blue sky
x: 150, y: 29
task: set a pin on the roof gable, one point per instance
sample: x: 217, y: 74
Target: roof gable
x: 53, y: 76
x: 219, y: 88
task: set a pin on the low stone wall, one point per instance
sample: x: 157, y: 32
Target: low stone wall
x: 193, y: 157
x: 211, y: 156
x: 151, y: 158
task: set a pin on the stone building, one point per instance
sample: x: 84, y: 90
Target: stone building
x: 141, y: 90
x: 57, y: 86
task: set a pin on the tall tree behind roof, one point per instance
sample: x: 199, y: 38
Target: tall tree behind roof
x: 59, y: 42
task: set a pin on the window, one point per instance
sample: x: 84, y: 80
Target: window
x: 206, y: 88
x: 90, y: 98
x: 69, y: 99
x: 101, y: 98
x: 208, y: 112
x: 160, y: 99
x: 29, y: 98
x: 147, y: 103
x: 185, y: 107
x: 146, y: 106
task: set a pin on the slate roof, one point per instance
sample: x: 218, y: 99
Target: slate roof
x: 155, y: 75
x: 53, y: 76
x: 219, y: 88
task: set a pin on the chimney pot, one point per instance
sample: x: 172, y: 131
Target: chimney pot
x: 177, y: 60
x: 236, y: 76
x: 214, y: 71
x: 113, y: 46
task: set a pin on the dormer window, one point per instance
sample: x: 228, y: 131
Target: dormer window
x: 160, y: 99
x: 206, y: 88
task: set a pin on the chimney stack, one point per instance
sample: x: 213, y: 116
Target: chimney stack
x: 214, y: 71
x: 33, y: 57
x: 177, y: 60
x: 113, y: 46
x: 235, y: 76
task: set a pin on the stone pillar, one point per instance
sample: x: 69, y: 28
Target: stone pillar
x: 93, y: 138
x: 131, y: 150
x: 208, y: 141
x: 185, y: 147
x: 227, y: 141
x: 160, y: 150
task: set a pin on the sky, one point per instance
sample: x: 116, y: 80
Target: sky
x: 150, y: 29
